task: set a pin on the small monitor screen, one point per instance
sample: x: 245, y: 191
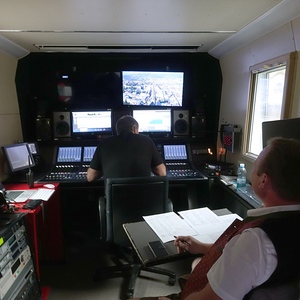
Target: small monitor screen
x: 287, y: 128
x: 18, y: 157
x: 91, y: 122
x: 151, y: 88
x: 33, y: 148
x: 68, y: 154
x: 175, y: 152
x: 88, y: 153
x: 153, y: 120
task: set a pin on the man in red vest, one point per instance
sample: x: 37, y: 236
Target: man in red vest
x: 263, y: 249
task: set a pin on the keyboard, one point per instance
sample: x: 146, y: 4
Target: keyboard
x: 43, y: 194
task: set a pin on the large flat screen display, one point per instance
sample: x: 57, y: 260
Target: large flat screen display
x: 89, y: 89
x: 149, y: 88
x: 153, y: 120
x: 91, y: 122
x: 18, y: 157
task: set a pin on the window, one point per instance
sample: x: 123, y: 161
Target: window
x: 270, y: 93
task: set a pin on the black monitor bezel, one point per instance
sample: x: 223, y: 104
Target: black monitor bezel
x: 286, y: 128
x: 176, y: 158
x: 69, y: 160
x: 153, y: 71
x: 157, y: 132
x: 8, y: 158
x: 95, y: 133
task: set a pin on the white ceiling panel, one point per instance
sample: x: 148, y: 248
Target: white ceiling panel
x: 67, y: 24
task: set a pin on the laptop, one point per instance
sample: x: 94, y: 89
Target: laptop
x: 24, y: 195
x: 18, y: 195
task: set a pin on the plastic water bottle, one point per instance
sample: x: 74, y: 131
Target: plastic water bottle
x: 241, y: 177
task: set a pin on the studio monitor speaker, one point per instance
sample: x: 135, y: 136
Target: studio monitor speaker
x: 43, y: 130
x: 181, y: 122
x: 198, y: 126
x: 61, y: 124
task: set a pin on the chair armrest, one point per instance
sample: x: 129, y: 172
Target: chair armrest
x: 102, y: 217
x: 169, y: 205
x: 289, y: 290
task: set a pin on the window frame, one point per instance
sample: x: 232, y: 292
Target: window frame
x: 290, y: 61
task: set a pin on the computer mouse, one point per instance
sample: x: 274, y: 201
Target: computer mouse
x: 49, y: 186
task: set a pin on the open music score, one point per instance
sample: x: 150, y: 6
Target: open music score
x: 201, y: 223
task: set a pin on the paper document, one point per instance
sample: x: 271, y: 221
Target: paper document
x: 201, y: 223
x: 169, y: 224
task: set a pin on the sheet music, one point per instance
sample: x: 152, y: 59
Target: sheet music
x: 167, y: 225
x: 201, y: 223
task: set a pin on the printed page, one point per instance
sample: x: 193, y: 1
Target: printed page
x: 168, y: 225
x: 208, y: 225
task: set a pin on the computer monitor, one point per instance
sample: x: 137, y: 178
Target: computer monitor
x: 33, y: 148
x: 69, y: 154
x: 95, y: 122
x: 175, y: 152
x: 18, y: 157
x: 287, y: 128
x: 152, y: 88
x: 153, y: 120
x: 88, y: 153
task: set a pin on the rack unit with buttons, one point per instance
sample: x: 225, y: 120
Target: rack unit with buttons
x: 18, y: 278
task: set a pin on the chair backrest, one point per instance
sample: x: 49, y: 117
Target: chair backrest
x: 129, y: 199
x: 289, y: 290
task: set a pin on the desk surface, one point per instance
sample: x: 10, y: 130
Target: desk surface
x: 140, y: 234
x: 44, y: 225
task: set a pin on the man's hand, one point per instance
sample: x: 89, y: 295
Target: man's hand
x: 190, y: 244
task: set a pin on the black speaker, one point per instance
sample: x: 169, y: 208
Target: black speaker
x: 43, y: 130
x: 198, y: 126
x: 61, y: 124
x: 181, y: 122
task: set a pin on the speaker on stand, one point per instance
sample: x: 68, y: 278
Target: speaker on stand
x: 198, y: 126
x: 181, y: 122
x: 43, y: 129
x: 61, y: 124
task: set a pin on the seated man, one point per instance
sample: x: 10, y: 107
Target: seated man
x: 127, y: 154
x: 263, y: 249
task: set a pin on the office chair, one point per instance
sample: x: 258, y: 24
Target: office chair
x: 127, y: 200
x: 289, y: 290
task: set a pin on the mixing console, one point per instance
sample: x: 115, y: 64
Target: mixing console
x: 181, y: 169
x: 71, y: 163
x: 67, y: 172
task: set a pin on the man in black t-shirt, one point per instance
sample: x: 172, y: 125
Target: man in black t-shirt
x: 127, y: 154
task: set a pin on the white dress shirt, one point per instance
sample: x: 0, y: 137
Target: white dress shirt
x: 248, y: 260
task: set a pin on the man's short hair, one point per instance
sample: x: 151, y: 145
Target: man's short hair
x: 126, y: 124
x: 282, y: 165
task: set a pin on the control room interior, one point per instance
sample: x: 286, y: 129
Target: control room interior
x: 58, y: 61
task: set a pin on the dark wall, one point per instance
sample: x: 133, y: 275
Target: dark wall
x: 37, y: 77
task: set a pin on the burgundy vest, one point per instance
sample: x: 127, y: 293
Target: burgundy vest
x: 281, y: 227
x: 198, y: 279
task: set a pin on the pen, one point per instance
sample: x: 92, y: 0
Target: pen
x: 184, y: 242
